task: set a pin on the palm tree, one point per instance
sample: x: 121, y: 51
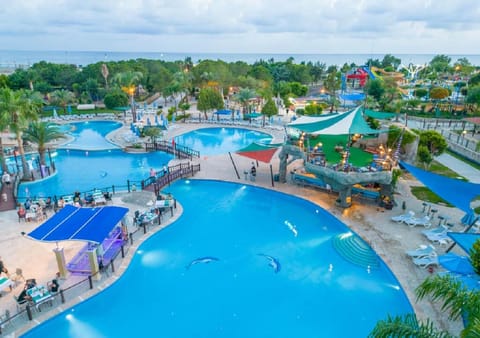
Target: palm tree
x: 41, y: 133
x: 243, y: 97
x: 457, y: 301
x: 128, y: 82
x: 62, y: 98
x: 332, y: 85
x: 22, y: 107
x: 4, y: 122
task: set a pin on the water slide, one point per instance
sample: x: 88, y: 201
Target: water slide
x: 369, y: 72
x: 380, y: 72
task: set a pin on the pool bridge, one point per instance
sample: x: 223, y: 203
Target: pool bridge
x: 173, y: 173
x: 177, y: 150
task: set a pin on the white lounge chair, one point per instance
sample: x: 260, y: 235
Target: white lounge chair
x: 426, y: 261
x: 436, y: 231
x: 413, y: 222
x: 403, y: 217
x: 441, y: 239
x: 421, y: 251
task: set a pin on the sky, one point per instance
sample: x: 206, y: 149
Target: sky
x: 243, y: 26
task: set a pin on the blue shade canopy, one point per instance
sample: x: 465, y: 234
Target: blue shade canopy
x: 223, y: 112
x: 81, y: 224
x: 459, y: 193
x: 456, y: 263
x: 464, y: 239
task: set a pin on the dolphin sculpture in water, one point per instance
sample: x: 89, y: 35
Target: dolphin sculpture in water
x: 204, y: 260
x: 273, y: 262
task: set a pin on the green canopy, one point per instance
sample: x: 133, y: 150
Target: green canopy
x: 379, y: 115
x: 351, y: 122
x: 252, y: 115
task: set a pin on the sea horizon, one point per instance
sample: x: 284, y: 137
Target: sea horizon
x: 11, y: 59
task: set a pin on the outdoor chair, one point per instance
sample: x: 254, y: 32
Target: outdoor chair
x: 5, y: 319
x: 421, y: 251
x: 413, y: 222
x: 436, y: 231
x: 426, y: 261
x: 404, y: 217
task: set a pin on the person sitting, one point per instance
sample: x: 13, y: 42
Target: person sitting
x: 28, y: 204
x: 53, y: 286
x: 48, y: 203
x: 23, y: 297
x: 61, y: 203
x: 30, y: 283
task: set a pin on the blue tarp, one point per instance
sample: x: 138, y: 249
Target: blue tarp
x: 464, y: 239
x: 457, y: 192
x: 82, y: 224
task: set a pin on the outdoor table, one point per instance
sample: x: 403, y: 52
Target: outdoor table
x: 440, y: 219
x: 163, y: 203
x: 40, y: 295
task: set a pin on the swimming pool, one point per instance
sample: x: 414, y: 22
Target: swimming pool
x: 211, y: 274
x: 83, y: 170
x: 214, y: 141
x: 82, y: 167
x: 90, y: 135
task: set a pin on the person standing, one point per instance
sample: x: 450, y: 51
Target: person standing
x: 253, y: 172
x: 153, y: 174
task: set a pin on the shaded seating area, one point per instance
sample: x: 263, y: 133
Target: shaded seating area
x: 100, y: 227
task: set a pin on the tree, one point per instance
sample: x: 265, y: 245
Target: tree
x: 391, y: 61
x: 424, y: 156
x: 455, y: 299
x: 128, y: 82
x: 41, y: 133
x: 313, y: 109
x: 269, y: 109
x: 439, y: 93
x: 473, y: 95
x: 433, y: 141
x: 184, y: 106
x: 440, y: 63
x: 375, y: 88
x: 243, y: 97
x: 22, y: 107
x: 62, y: 98
x: 475, y: 256
x: 332, y: 85
x: 115, y: 98
x: 420, y: 92
x: 209, y: 98
x: 152, y: 133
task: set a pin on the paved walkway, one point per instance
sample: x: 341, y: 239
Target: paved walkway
x: 460, y: 167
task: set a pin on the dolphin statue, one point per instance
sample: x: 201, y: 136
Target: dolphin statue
x: 204, y: 260
x: 273, y: 262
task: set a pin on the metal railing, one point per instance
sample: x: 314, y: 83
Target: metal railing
x: 17, y: 319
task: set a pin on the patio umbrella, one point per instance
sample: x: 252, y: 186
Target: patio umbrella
x: 471, y: 282
x: 456, y: 263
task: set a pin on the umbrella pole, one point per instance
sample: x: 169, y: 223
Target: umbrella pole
x: 271, y: 175
x: 234, y: 166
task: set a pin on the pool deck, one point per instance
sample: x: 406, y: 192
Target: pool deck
x: 390, y: 240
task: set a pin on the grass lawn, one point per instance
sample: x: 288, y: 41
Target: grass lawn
x: 358, y: 157
x: 440, y: 169
x: 425, y: 194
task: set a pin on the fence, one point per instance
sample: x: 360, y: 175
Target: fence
x: 28, y: 314
x: 173, y: 148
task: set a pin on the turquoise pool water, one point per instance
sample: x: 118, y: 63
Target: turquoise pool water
x: 214, y: 141
x: 90, y: 135
x: 168, y: 292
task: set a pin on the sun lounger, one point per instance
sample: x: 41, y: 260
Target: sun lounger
x: 436, y: 231
x: 404, y: 217
x: 426, y: 261
x: 413, y: 222
x: 421, y: 251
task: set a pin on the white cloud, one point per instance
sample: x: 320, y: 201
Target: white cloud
x: 276, y: 26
